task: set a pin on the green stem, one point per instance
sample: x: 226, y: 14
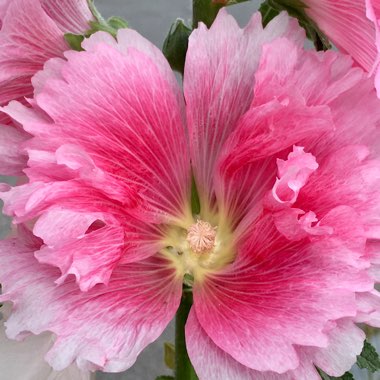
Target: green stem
x: 99, y: 18
x: 183, y: 367
x: 205, y: 11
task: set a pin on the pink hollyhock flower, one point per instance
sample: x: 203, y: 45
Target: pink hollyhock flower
x: 31, y: 32
x: 25, y: 360
x: 353, y: 26
x: 284, y: 253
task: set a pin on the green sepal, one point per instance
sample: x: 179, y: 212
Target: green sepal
x: 165, y: 378
x: 111, y: 25
x: 346, y: 376
x: 169, y: 355
x: 175, y: 45
x: 74, y: 41
x: 369, y: 358
x: 117, y: 23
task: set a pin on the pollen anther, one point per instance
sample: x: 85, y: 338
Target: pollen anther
x: 201, y: 237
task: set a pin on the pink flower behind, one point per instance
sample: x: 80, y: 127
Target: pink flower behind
x: 353, y: 26
x: 31, y: 32
x: 283, y: 145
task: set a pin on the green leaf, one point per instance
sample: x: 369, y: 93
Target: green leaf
x: 74, y: 41
x: 165, y: 378
x: 175, y: 45
x: 325, y: 376
x: 169, y: 355
x: 369, y: 358
x: 268, y: 13
x: 234, y: 2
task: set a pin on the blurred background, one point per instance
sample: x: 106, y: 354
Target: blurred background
x: 153, y: 19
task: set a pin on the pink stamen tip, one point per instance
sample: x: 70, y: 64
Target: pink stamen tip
x: 201, y: 237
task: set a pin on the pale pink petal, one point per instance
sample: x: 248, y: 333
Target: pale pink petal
x: 368, y: 308
x: 345, y: 344
x: 283, y: 293
x: 219, y: 82
x: 80, y: 244
x: 72, y: 16
x: 293, y: 174
x: 25, y: 360
x: 129, y: 38
x: 295, y: 224
x: 3, y: 9
x: 104, y: 328
x: 12, y: 160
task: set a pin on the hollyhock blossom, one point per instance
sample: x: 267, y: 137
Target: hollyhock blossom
x: 283, y: 255
x: 31, y: 32
x: 25, y: 360
x: 353, y: 26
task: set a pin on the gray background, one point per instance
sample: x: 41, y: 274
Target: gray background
x: 153, y: 19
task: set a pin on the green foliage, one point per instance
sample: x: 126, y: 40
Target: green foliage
x: 175, y: 45
x: 74, y: 41
x: 233, y: 2
x: 165, y: 378
x: 111, y: 25
x: 169, y: 355
x: 369, y: 358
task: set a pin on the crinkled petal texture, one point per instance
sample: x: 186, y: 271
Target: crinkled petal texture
x: 25, y: 360
x: 104, y: 328
x: 31, y: 32
x: 103, y: 184
x: 102, y: 176
x: 298, y: 174
x: 285, y: 150
x: 219, y: 82
x: 353, y: 26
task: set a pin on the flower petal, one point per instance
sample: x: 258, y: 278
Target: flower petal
x: 29, y: 37
x: 345, y: 344
x: 72, y: 16
x: 25, y: 360
x: 346, y: 177
x: 91, y: 258
x: 282, y: 296
x: 212, y: 363
x: 346, y: 24
x: 12, y: 161
x: 104, y: 328
x: 219, y: 81
x: 130, y: 126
